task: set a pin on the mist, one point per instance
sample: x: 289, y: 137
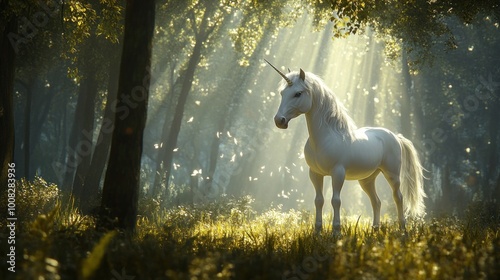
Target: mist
x: 141, y: 139
x: 214, y: 135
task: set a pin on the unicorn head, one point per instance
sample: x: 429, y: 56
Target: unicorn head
x: 296, y: 98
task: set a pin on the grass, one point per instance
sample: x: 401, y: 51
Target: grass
x: 229, y: 240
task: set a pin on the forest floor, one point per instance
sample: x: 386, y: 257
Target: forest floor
x: 229, y: 240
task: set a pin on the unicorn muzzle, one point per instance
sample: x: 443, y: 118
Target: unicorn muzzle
x: 281, y: 122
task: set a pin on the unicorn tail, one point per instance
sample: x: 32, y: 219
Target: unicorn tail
x: 411, y: 177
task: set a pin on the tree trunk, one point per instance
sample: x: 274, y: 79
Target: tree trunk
x: 121, y: 184
x: 101, y: 150
x: 85, y: 138
x: 446, y: 203
x: 38, y: 118
x: 201, y: 35
x: 164, y: 135
x: 406, y: 128
x: 418, y: 115
x: 27, y: 142
x: 215, y: 146
x: 175, y: 128
x: 7, y: 56
x: 247, y: 77
x: 493, y: 161
x: 72, y: 157
x: 496, y: 190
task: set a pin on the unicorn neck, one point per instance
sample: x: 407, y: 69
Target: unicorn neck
x: 322, y: 125
x: 317, y: 125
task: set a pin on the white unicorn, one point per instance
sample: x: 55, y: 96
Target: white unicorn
x: 338, y: 149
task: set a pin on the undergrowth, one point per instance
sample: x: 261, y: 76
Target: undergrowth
x: 228, y: 239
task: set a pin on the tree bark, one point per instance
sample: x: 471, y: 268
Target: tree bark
x: 164, y: 135
x: 27, y: 142
x: 38, y: 118
x: 85, y: 135
x: 175, y: 128
x: 121, y: 184
x: 72, y: 156
x: 202, y: 33
x: 493, y: 154
x: 101, y: 150
x: 7, y: 56
x: 446, y: 201
x: 406, y: 128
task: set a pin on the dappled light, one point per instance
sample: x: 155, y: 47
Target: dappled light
x: 190, y: 139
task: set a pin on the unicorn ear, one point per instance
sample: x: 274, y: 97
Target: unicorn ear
x: 289, y: 70
x: 302, y: 74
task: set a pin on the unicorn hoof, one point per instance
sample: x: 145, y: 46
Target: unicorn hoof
x: 402, y: 226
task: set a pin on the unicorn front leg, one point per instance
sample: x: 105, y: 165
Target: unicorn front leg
x: 338, y: 177
x: 317, y: 181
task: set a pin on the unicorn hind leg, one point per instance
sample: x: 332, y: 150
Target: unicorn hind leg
x: 368, y: 185
x: 394, y: 181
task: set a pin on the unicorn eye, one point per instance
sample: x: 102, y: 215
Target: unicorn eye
x: 298, y: 94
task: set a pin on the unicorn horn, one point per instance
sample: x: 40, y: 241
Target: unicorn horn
x: 288, y: 81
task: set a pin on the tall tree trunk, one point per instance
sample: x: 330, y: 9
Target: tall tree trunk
x: 418, y: 114
x: 202, y: 33
x: 85, y: 138
x: 34, y: 118
x: 446, y: 203
x: 72, y: 157
x: 7, y: 56
x: 27, y: 142
x: 493, y: 154
x: 247, y: 77
x: 164, y: 135
x: 38, y: 119
x: 121, y: 184
x: 59, y: 166
x: 496, y: 189
x: 175, y: 128
x: 215, y: 146
x: 406, y: 128
x: 80, y: 142
x: 101, y: 149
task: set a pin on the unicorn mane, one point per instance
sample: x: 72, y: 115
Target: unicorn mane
x: 334, y: 111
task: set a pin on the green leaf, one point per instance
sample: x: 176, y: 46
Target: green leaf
x: 93, y: 260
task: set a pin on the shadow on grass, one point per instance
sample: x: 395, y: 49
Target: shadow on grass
x: 229, y: 240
